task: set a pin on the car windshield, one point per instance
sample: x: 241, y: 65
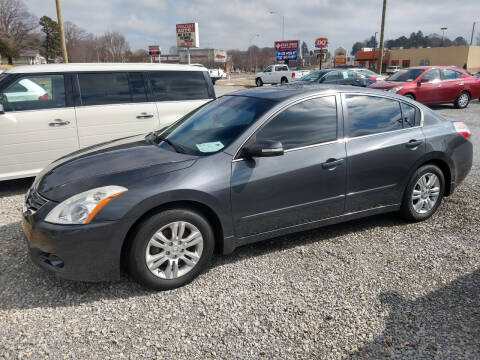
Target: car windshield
x: 213, y: 126
x: 3, y: 76
x: 313, y: 76
x: 406, y: 75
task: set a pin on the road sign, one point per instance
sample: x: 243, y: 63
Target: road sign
x: 321, y: 43
x: 287, y: 45
x: 287, y: 55
x: 187, y: 35
x: 154, y: 50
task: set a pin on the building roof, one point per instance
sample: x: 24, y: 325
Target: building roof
x: 84, y: 67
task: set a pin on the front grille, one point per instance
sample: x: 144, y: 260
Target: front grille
x: 34, y: 201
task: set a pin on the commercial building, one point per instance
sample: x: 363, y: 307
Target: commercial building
x: 211, y: 58
x: 466, y: 57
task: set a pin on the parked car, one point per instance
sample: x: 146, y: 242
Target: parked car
x: 275, y: 74
x: 248, y: 166
x: 393, y: 69
x: 350, y: 76
x: 217, y: 74
x: 433, y: 85
x: 52, y: 110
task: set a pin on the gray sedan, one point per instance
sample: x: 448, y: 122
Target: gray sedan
x: 248, y: 166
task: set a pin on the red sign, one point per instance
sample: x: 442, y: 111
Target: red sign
x: 287, y: 45
x: 185, y: 28
x: 321, y: 42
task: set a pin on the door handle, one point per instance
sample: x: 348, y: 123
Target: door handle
x: 58, y: 122
x: 414, y: 143
x: 330, y: 164
x: 144, y: 115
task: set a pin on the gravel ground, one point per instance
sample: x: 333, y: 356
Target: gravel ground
x: 371, y: 288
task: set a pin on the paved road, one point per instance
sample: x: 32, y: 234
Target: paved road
x: 225, y: 89
x: 371, y: 288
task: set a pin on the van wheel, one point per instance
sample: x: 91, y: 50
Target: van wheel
x: 170, y: 249
x: 258, y: 82
x: 424, y: 193
x: 283, y: 80
x: 462, y: 100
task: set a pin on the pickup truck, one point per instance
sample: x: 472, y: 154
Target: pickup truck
x: 276, y: 74
x: 217, y: 74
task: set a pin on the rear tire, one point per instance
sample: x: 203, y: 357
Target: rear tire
x: 258, y: 82
x: 168, y: 262
x: 284, y: 80
x: 462, y: 100
x: 423, y: 194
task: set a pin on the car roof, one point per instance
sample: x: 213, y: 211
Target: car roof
x: 84, y: 67
x: 281, y: 93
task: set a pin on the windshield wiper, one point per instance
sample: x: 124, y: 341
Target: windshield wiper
x: 178, y: 148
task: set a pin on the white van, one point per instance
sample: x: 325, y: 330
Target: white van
x: 51, y: 110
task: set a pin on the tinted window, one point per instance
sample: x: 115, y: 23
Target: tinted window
x: 331, y: 76
x: 432, y: 75
x: 371, y: 115
x: 313, y: 76
x: 178, y: 85
x: 307, y: 123
x: 215, y: 125
x: 347, y: 74
x: 34, y: 93
x: 411, y: 116
x: 451, y: 74
x: 137, y: 86
x: 406, y: 74
x: 104, y: 88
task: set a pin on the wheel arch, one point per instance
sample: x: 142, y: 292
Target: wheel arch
x: 441, y: 161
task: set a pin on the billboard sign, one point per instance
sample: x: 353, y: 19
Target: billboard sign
x: 187, y: 35
x: 321, y: 43
x: 219, y: 56
x: 286, y: 50
x: 154, y: 50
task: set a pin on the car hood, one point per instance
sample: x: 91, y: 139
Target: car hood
x: 118, y: 162
x: 386, y: 85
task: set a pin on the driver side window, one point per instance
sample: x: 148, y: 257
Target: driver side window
x: 432, y: 75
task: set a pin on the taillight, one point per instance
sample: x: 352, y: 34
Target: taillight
x: 43, y: 97
x: 293, y: 74
x: 462, y: 129
x: 373, y: 79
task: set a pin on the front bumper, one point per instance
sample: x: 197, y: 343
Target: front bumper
x: 76, y: 252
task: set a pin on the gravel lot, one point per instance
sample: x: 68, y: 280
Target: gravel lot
x: 370, y: 288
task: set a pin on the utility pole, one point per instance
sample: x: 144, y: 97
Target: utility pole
x: 375, y: 43
x: 382, y: 33
x: 62, y: 33
x: 473, y: 32
x: 283, y: 23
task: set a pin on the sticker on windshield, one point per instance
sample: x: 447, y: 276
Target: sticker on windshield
x: 209, y: 147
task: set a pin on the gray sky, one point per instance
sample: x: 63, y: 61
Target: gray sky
x: 230, y: 24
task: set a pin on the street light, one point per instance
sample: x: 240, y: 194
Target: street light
x: 443, y: 33
x: 283, y: 22
x: 473, y: 31
x: 375, y: 43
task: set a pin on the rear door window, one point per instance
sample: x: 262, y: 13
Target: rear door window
x: 448, y: 74
x: 35, y: 92
x: 331, y: 76
x: 178, y: 85
x: 411, y: 115
x: 369, y: 115
x: 104, y: 88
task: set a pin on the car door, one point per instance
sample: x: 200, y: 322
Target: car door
x: 267, y: 76
x: 452, y: 85
x: 429, y: 87
x: 176, y: 93
x: 113, y: 105
x: 305, y: 184
x: 38, y: 125
x: 385, y: 140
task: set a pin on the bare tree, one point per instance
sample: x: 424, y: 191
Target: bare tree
x: 16, y: 24
x: 113, y: 47
x: 75, y: 38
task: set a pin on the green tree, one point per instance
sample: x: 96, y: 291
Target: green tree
x: 357, y: 47
x: 52, y: 43
x: 304, y: 48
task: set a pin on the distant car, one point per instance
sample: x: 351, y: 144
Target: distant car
x: 433, y: 85
x: 217, y: 74
x: 26, y: 90
x: 275, y: 74
x: 343, y: 76
x: 393, y: 69
x: 248, y: 166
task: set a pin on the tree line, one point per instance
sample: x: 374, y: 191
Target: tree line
x: 415, y: 40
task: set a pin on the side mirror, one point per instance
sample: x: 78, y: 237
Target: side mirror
x: 264, y: 148
x: 2, y: 109
x: 423, y: 80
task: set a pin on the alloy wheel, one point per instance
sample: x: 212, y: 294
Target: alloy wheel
x: 463, y: 100
x: 174, y: 250
x: 425, y: 193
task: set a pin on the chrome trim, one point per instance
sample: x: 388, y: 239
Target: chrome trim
x: 315, y: 145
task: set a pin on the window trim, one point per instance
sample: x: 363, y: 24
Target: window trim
x: 340, y: 127
x: 346, y: 117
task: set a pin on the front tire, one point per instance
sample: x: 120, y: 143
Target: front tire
x: 258, y: 82
x: 170, y: 249
x: 423, y: 194
x: 462, y: 100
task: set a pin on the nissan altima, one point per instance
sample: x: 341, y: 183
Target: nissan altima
x: 248, y: 166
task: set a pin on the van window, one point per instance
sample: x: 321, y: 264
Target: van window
x: 372, y: 115
x: 178, y: 85
x: 104, y: 88
x: 34, y: 92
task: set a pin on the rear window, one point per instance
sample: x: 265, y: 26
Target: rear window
x: 178, y: 85
x: 111, y: 88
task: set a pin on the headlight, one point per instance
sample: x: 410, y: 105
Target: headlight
x: 396, y: 89
x: 82, y: 208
